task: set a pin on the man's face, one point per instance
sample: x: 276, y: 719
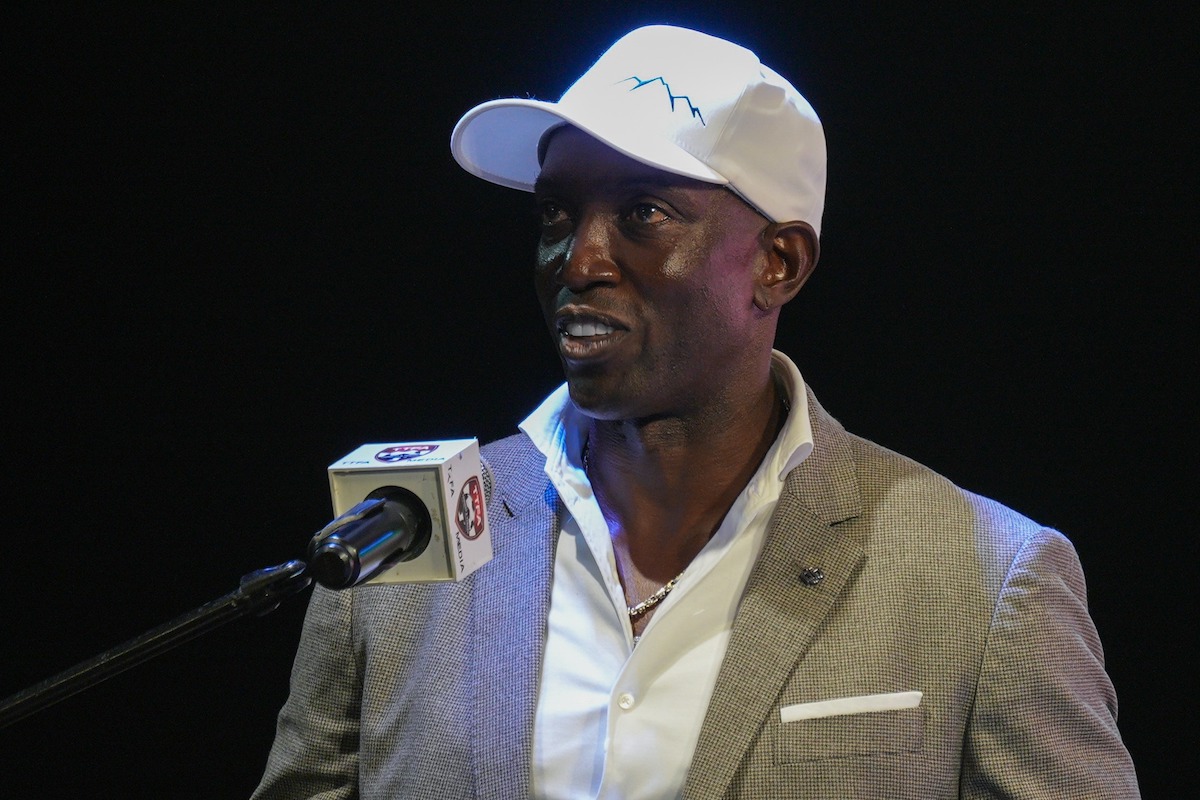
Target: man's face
x: 646, y: 281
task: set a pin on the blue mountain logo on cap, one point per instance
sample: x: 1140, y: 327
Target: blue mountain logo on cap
x: 670, y: 96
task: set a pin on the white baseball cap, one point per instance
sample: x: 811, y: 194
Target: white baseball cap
x: 676, y: 99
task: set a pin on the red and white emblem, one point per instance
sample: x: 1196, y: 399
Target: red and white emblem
x: 469, y: 515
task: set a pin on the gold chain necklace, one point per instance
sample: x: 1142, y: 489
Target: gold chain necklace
x: 653, y: 600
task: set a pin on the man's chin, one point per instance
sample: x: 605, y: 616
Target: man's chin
x: 596, y: 399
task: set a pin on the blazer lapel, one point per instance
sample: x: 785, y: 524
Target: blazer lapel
x: 509, y: 604
x: 807, y: 561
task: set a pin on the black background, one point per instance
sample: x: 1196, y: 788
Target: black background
x: 237, y: 247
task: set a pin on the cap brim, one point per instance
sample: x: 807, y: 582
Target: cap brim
x: 498, y: 141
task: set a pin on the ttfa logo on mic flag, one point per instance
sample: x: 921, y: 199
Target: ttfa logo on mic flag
x: 469, y: 515
x: 404, y: 452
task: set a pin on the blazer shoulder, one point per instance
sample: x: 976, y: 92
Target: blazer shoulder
x: 518, y: 472
x: 508, y: 449
x: 906, y: 489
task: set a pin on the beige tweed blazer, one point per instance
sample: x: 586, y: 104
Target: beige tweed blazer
x: 429, y: 691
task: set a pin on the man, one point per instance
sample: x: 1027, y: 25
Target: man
x: 702, y: 585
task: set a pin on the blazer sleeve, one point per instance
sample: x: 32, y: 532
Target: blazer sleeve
x: 315, y: 753
x: 1043, y: 723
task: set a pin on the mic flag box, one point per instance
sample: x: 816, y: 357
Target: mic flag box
x: 447, y: 476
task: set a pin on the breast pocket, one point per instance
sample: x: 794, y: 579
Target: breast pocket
x: 889, y: 727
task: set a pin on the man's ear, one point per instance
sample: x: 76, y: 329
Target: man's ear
x: 792, y: 249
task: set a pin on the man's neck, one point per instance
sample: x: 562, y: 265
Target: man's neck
x: 665, y: 485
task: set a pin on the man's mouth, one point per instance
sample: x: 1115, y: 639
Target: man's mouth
x: 584, y: 335
x: 579, y: 328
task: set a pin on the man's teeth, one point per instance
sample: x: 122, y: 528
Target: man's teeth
x: 588, y: 329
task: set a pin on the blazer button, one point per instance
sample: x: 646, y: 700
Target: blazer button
x: 811, y: 576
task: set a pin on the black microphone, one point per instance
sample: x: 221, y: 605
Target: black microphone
x: 390, y: 526
x: 421, y: 516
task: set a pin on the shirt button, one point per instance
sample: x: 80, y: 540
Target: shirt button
x: 625, y: 701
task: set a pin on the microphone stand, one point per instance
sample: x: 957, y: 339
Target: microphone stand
x: 259, y: 592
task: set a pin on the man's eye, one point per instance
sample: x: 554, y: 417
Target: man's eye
x: 647, y: 213
x: 553, y: 213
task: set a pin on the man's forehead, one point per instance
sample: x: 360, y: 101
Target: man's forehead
x: 575, y: 164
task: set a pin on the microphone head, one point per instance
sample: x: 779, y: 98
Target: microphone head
x: 332, y: 567
x: 389, y: 526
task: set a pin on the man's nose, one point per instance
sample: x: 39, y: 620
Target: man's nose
x: 589, y: 258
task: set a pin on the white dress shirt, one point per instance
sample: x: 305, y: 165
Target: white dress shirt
x: 614, y: 721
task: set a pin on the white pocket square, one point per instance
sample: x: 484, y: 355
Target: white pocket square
x: 863, y: 704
